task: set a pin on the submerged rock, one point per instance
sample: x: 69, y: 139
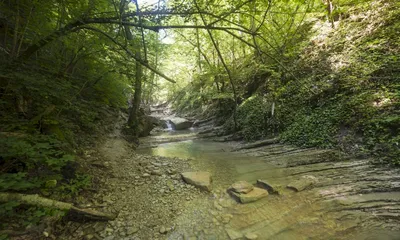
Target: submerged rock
x: 241, y: 187
x: 302, y: 183
x: 201, y: 180
x: 251, y: 236
x: 252, y: 196
x: 233, y: 235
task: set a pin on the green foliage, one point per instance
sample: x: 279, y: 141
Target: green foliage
x: 28, y: 162
x: 315, y: 128
x: 254, y: 119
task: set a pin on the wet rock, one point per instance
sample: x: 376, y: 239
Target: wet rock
x: 156, y: 172
x: 146, y: 175
x: 132, y: 230
x: 254, y: 195
x: 226, y: 202
x: 241, y: 187
x: 233, y: 235
x: 251, y: 236
x: 226, y: 218
x: 264, y: 184
x: 201, y: 180
x: 164, y: 230
x: 217, y: 206
x: 303, y: 183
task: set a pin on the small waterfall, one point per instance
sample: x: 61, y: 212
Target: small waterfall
x: 170, y: 127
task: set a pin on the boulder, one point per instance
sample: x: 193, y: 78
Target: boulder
x: 302, y: 183
x: 158, y: 122
x: 264, y: 184
x: 181, y: 123
x: 201, y: 180
x: 241, y: 187
x: 252, y: 196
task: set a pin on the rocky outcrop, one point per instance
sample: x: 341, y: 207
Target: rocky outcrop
x: 252, y: 196
x: 181, y: 123
x: 302, y: 183
x: 158, y: 122
x: 200, y: 180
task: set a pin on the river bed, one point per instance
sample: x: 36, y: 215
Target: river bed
x: 308, y: 214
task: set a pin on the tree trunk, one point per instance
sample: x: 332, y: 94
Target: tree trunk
x: 36, y: 200
x: 225, y: 66
x: 133, y: 120
x: 329, y: 7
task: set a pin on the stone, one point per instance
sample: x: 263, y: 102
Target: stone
x: 132, y: 230
x: 241, y: 187
x: 217, y: 206
x: 146, y: 175
x: 156, y: 172
x: 200, y: 180
x: 226, y: 218
x: 170, y: 186
x: 254, y: 195
x: 302, y: 183
x: 233, y: 235
x: 163, y: 230
x: 264, y: 184
x: 251, y: 236
x: 180, y: 123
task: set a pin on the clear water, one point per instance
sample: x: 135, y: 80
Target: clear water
x: 289, y: 216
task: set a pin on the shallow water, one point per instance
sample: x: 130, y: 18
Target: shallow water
x: 291, y: 215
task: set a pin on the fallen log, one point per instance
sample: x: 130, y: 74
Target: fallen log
x: 259, y: 144
x: 36, y: 200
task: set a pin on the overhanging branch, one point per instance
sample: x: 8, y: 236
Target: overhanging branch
x: 129, y: 52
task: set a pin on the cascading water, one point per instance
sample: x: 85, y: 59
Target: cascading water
x: 170, y: 127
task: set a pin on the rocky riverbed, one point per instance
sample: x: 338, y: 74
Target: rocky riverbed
x: 145, y: 192
x: 313, y: 193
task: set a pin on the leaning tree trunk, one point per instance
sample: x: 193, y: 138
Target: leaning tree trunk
x: 225, y: 66
x: 36, y: 200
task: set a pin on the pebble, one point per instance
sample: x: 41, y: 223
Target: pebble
x: 132, y: 230
x: 251, y: 236
x: 163, y: 230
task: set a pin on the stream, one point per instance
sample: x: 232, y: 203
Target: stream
x: 352, y: 199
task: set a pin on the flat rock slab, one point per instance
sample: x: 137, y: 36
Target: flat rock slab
x: 251, y: 236
x: 252, y: 196
x: 303, y: 183
x: 241, y: 187
x: 201, y: 180
x: 264, y: 184
x: 233, y: 235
